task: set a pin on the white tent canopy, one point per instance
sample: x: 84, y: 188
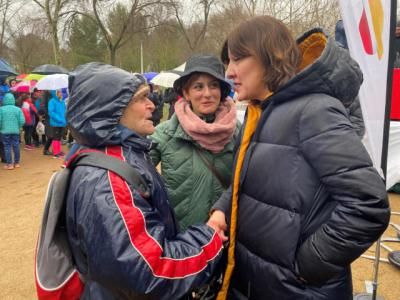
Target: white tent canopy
x: 393, y: 163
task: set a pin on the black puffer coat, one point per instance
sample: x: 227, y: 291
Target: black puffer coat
x: 310, y: 200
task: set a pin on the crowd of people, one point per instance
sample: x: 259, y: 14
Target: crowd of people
x: 277, y: 207
x: 43, y: 123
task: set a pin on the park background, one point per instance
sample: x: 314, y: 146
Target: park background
x: 138, y: 36
x: 164, y: 32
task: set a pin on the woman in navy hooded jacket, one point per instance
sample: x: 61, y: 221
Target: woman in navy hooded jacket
x: 125, y: 244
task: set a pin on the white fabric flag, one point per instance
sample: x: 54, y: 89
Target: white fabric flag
x: 367, y: 26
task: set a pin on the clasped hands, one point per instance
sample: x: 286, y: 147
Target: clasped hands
x: 218, y: 223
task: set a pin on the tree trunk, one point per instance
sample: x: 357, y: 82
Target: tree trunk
x: 5, y: 7
x: 56, y: 45
x: 113, y: 53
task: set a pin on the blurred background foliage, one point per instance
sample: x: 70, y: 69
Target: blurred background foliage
x: 163, y: 32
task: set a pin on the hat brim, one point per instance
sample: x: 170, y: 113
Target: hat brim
x: 178, y: 84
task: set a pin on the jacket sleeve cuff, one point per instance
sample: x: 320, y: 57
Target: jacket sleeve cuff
x: 224, y: 203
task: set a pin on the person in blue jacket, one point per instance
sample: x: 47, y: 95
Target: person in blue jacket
x: 4, y: 88
x: 125, y: 244
x: 57, y: 121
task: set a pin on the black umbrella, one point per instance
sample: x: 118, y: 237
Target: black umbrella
x: 6, y: 69
x: 49, y: 69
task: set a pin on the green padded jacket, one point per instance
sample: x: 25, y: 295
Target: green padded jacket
x: 192, y: 187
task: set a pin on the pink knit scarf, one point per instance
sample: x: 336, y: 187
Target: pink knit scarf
x: 211, y: 136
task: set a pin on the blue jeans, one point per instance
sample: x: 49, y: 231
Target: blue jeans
x: 11, y: 140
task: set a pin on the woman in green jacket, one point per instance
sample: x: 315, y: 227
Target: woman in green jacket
x: 196, y: 146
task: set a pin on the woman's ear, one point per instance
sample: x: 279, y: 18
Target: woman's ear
x: 185, y: 95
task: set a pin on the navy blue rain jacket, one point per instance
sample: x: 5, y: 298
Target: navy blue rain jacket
x: 125, y: 245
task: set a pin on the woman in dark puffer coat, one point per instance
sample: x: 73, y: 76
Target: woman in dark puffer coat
x: 306, y: 200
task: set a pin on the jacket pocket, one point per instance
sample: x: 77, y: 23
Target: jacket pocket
x: 320, y: 211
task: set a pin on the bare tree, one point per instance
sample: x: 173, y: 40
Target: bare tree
x: 24, y: 58
x: 54, y: 10
x: 4, y: 8
x: 251, y: 6
x: 303, y: 15
x: 221, y: 24
x: 8, y: 10
x: 119, y: 20
x: 195, y: 31
x: 299, y: 16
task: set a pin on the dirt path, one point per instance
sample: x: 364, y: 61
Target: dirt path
x: 21, y: 202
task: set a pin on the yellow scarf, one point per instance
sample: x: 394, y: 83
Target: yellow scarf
x: 253, y: 115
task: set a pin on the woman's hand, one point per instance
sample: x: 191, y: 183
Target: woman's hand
x: 218, y: 223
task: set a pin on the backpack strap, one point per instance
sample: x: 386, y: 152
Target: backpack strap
x: 224, y: 183
x: 56, y: 276
x: 101, y: 160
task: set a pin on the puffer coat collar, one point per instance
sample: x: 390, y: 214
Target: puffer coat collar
x: 326, y: 68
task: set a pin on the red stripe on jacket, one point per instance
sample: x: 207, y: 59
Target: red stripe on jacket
x: 150, y: 250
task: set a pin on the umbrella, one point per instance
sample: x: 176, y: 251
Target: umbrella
x: 180, y: 68
x: 6, y: 69
x: 149, y: 75
x: 167, y: 79
x: 21, y: 76
x: 49, y: 69
x: 24, y: 86
x: 53, y: 82
x: 34, y: 77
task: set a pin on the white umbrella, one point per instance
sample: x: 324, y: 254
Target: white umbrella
x: 167, y: 79
x: 180, y: 68
x: 53, y: 82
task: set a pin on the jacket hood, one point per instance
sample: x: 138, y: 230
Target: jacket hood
x: 98, y: 95
x: 8, y: 99
x: 340, y: 34
x: 325, y: 68
x: 53, y: 94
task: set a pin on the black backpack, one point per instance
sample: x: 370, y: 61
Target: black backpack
x: 55, y: 274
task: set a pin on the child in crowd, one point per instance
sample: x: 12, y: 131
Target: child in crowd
x: 36, y: 101
x: 12, y: 82
x: 40, y: 132
x: 31, y: 115
x: 11, y: 121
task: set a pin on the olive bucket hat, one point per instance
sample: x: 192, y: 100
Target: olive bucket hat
x: 203, y: 63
